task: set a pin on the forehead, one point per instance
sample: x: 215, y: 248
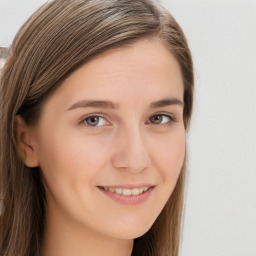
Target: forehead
x: 145, y: 70
x: 150, y: 57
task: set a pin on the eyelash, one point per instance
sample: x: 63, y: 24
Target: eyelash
x: 94, y: 115
x: 164, y: 115
x: 172, y: 119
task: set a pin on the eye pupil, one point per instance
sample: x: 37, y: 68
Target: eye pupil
x: 92, y: 120
x: 156, y: 119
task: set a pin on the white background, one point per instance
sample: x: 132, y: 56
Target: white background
x: 221, y: 198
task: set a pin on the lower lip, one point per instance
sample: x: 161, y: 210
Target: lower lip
x: 129, y: 200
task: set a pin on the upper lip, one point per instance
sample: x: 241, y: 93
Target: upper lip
x: 129, y: 186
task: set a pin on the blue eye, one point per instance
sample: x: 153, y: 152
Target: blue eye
x: 161, y: 119
x: 95, y: 121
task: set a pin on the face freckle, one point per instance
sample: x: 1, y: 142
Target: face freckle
x: 85, y: 161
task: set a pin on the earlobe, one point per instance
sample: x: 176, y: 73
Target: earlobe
x: 25, y: 143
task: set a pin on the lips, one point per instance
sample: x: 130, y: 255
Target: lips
x: 126, y: 194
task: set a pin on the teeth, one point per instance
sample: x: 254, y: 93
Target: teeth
x: 127, y: 191
x: 119, y: 191
x: 135, y: 191
x: 111, y: 189
x: 145, y: 189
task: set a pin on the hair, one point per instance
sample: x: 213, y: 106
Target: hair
x: 56, y: 40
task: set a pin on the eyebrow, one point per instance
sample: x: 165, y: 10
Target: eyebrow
x: 111, y: 105
x: 166, y: 102
x: 95, y: 104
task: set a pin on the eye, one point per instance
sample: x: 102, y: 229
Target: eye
x: 161, y: 119
x: 95, y: 121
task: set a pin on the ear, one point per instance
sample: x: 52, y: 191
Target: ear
x: 25, y: 142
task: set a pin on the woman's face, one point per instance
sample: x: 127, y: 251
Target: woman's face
x: 111, y: 141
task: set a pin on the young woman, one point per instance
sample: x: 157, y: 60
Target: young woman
x: 96, y: 98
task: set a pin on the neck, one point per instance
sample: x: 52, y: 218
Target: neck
x: 64, y: 237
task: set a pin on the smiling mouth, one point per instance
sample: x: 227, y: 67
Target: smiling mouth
x: 126, y: 191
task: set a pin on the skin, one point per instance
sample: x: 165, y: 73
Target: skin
x: 125, y: 148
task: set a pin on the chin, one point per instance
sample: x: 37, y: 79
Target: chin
x: 131, y: 231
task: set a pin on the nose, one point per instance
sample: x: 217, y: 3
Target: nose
x: 131, y: 153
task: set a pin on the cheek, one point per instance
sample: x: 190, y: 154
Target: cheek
x: 170, y: 156
x: 71, y: 168
x: 68, y: 160
x: 71, y: 156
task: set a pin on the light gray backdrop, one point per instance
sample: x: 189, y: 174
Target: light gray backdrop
x: 221, y: 200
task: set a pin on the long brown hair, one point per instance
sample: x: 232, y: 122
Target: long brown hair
x: 56, y: 40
